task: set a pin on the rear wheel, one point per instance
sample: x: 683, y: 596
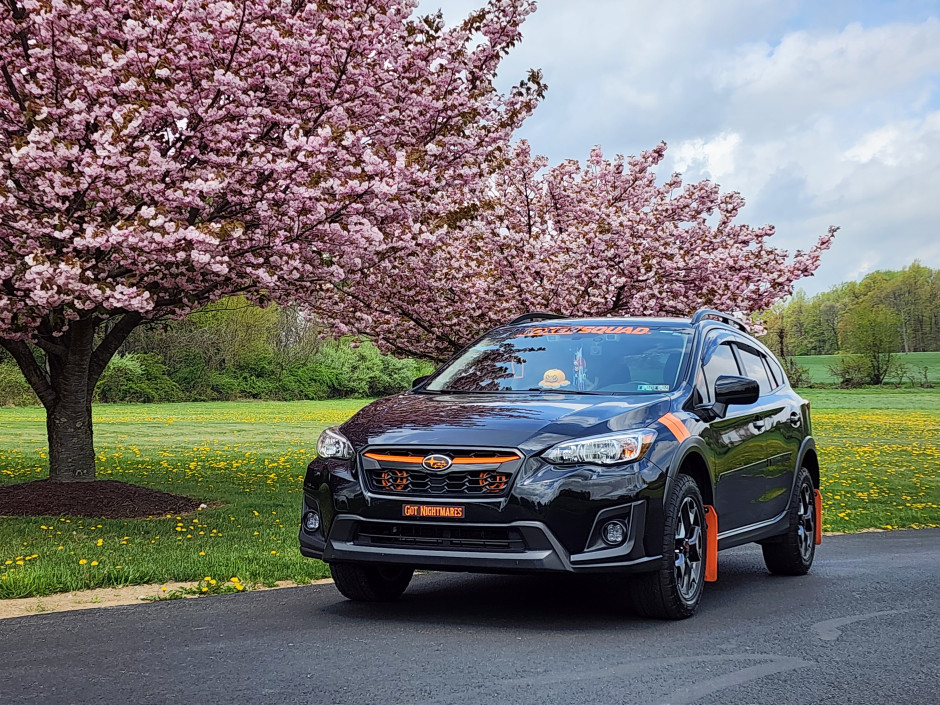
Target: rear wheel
x: 793, y: 552
x: 371, y: 583
x: 674, y: 590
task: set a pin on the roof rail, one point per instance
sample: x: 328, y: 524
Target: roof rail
x: 703, y: 313
x: 535, y: 316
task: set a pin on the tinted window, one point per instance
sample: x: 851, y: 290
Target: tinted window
x: 718, y: 361
x: 777, y: 371
x: 754, y: 368
x: 604, y: 359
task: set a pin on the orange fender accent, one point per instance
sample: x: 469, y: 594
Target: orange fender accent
x: 711, y: 544
x: 818, y: 516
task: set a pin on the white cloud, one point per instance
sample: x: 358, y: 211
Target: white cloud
x: 828, y: 65
x: 818, y: 114
x: 714, y: 158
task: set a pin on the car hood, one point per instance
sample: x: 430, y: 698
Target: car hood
x: 529, y: 422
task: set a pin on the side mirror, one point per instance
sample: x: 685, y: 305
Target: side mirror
x: 729, y: 389
x: 419, y: 381
x: 736, y: 390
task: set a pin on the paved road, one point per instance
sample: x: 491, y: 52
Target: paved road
x: 862, y: 628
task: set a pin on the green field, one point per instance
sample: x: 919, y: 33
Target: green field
x: 251, y: 456
x: 818, y: 366
x: 880, y: 451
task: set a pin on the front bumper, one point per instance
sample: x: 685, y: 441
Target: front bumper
x: 550, y: 521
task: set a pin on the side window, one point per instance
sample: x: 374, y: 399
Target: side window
x: 774, y: 381
x: 776, y: 368
x: 754, y: 368
x: 717, y: 361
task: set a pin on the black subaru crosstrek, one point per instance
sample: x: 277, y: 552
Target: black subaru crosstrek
x: 640, y: 445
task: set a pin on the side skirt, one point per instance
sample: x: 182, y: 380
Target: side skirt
x: 754, y: 532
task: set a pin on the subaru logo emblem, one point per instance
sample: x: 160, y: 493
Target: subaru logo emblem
x: 437, y: 462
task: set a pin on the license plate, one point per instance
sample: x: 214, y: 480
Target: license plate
x: 432, y: 511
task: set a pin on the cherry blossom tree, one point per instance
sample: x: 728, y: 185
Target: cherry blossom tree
x: 160, y: 154
x: 594, y: 240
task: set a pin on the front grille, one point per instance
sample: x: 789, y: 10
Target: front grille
x: 455, y: 538
x: 473, y: 472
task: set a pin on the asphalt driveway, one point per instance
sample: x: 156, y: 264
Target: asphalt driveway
x: 862, y: 628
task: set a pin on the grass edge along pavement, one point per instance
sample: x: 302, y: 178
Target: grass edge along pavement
x: 881, y: 470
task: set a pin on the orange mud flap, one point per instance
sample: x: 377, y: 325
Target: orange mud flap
x: 818, y: 516
x: 711, y: 544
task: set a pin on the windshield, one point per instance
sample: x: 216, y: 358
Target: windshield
x: 575, y: 359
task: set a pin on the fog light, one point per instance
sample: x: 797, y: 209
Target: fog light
x: 613, y: 533
x: 311, y: 521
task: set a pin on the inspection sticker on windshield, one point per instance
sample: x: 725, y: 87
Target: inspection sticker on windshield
x: 432, y: 511
x: 652, y: 387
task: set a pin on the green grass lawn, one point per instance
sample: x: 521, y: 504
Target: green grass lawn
x: 880, y: 451
x: 250, y: 456
x: 880, y: 457
x: 818, y: 366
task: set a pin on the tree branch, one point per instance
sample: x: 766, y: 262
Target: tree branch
x: 109, y: 345
x: 34, y: 374
x: 51, y: 348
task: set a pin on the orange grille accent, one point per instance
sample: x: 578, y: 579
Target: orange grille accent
x: 493, y: 482
x: 483, y: 461
x: 394, y: 480
x: 415, y: 460
x: 395, y: 458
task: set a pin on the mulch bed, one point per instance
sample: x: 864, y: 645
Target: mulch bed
x: 105, y: 499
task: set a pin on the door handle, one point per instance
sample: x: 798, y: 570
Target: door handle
x: 758, y: 423
x: 795, y: 419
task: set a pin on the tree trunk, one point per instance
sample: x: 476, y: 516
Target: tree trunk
x: 66, y: 385
x: 71, y: 443
x: 68, y: 417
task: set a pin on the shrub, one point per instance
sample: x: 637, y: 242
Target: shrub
x: 798, y: 374
x: 852, y: 371
x: 136, y: 378
x: 14, y: 389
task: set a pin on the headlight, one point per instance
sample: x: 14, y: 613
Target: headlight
x: 609, y: 449
x: 333, y: 444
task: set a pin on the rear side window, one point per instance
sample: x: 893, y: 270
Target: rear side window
x: 754, y: 368
x: 718, y: 361
x: 777, y: 371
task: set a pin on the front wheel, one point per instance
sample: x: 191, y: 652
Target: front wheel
x: 371, y: 583
x: 674, y: 590
x: 793, y: 552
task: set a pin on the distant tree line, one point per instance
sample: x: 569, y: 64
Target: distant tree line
x: 864, y: 322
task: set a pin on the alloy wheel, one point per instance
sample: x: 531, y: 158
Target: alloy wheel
x: 689, y: 551
x: 806, y: 528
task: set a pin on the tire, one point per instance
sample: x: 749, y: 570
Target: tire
x: 792, y: 553
x: 674, y: 589
x: 371, y: 583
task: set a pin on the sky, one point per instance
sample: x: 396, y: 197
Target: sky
x: 818, y: 113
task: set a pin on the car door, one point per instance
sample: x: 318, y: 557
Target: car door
x: 731, y: 439
x: 760, y: 487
